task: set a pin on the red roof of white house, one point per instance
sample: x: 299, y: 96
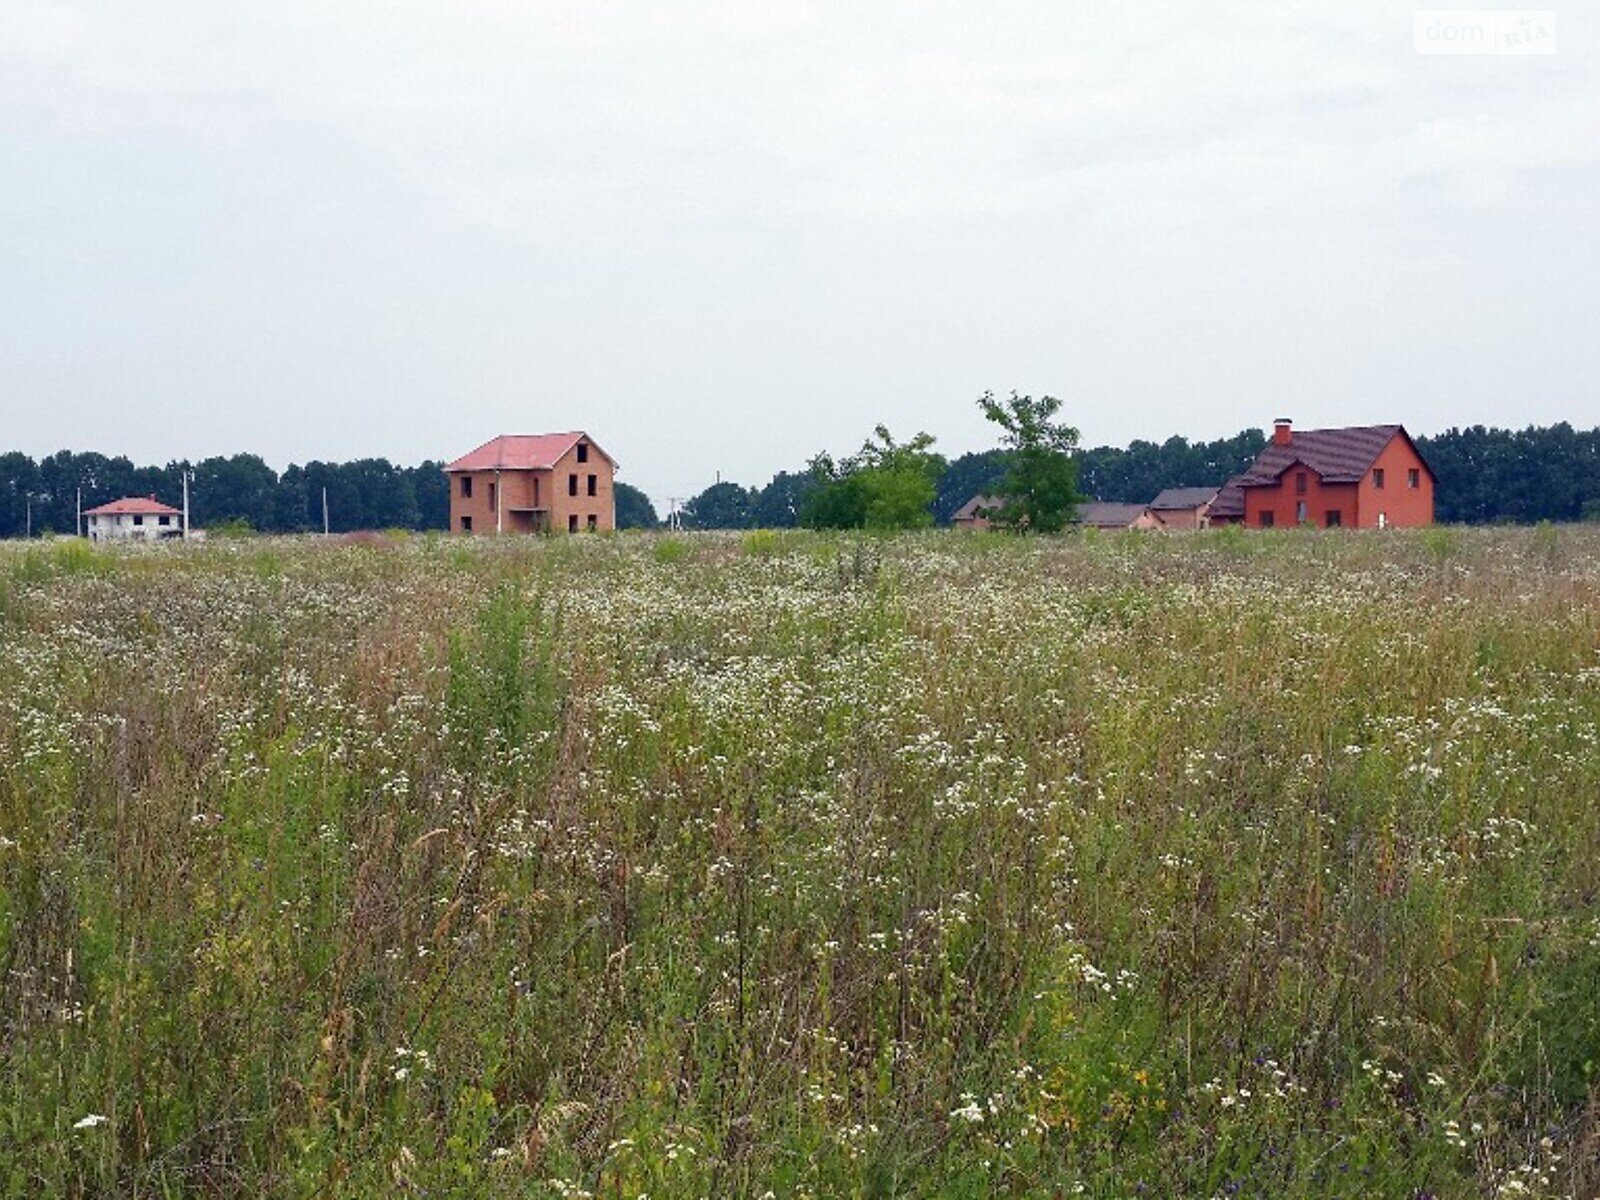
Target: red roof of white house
x: 524, y: 452
x: 138, y: 505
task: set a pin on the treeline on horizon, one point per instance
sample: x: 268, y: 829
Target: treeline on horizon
x: 244, y: 492
x: 1485, y: 476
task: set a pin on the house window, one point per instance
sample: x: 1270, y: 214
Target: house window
x: 1300, y: 512
x: 1299, y: 483
x: 536, y: 491
x: 466, y: 524
x: 594, y: 522
x: 1333, y: 518
x: 163, y: 520
x: 1266, y: 520
x: 1377, y: 478
x: 466, y: 487
x: 572, y: 521
x: 494, y: 496
x: 572, y: 485
x: 591, y: 485
x: 583, y: 451
x: 1413, y: 478
x: 138, y: 518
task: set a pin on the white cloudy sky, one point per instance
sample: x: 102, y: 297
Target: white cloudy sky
x: 724, y: 234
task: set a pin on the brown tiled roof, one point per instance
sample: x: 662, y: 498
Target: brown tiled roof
x: 523, y: 452
x: 1182, y: 498
x: 971, y: 508
x: 1336, y: 455
x: 1108, y: 516
x: 1229, y: 501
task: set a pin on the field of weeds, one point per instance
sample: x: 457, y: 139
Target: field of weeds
x: 788, y: 865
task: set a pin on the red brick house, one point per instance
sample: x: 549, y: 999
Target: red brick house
x: 1368, y: 477
x: 533, y: 484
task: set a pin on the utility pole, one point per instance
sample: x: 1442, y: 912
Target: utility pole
x: 324, y: 510
x: 29, y: 525
x: 185, y: 474
x: 78, y: 524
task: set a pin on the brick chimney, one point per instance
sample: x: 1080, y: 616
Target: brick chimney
x: 1282, y: 431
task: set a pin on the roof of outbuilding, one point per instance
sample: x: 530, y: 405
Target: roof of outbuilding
x: 970, y: 509
x: 143, y: 506
x: 1103, y: 515
x: 1182, y: 497
x: 524, y: 452
x: 1336, y: 455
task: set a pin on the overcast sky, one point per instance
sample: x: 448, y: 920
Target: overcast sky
x: 722, y: 236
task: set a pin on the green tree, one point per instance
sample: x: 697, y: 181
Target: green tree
x: 431, y: 486
x: 1040, y: 488
x: 721, y: 506
x: 888, y: 485
x: 634, y: 510
x: 19, y: 484
x: 837, y: 499
x: 778, y: 505
x: 241, y: 488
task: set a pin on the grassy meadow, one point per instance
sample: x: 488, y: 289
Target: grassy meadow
x: 792, y: 865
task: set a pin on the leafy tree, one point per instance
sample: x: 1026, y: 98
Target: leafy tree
x: 838, y: 500
x: 241, y: 488
x: 291, y: 502
x: 721, y: 506
x: 1040, y: 488
x: 634, y: 510
x: 431, y: 486
x: 888, y: 485
x: 778, y: 505
x: 1134, y: 475
x: 19, y: 483
x: 1528, y: 475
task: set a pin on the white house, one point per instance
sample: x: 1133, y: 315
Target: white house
x: 134, y: 518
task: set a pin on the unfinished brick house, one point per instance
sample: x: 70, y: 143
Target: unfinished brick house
x: 1368, y: 477
x: 547, y: 482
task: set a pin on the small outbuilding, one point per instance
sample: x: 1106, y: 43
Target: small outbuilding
x: 976, y: 513
x: 1103, y: 515
x: 1183, y: 507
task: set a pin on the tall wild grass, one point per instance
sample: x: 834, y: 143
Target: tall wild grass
x: 1230, y: 865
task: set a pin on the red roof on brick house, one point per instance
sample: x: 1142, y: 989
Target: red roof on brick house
x: 523, y: 452
x: 137, y: 505
x: 1336, y: 455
